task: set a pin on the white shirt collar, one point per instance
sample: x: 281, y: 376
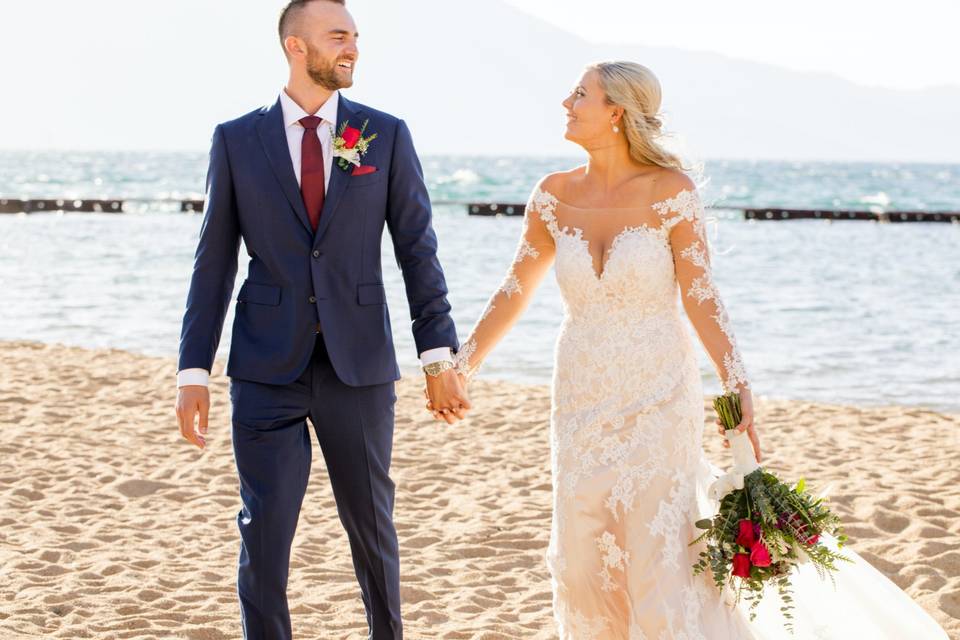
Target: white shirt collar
x: 292, y: 112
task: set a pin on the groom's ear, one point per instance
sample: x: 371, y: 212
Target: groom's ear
x: 293, y: 46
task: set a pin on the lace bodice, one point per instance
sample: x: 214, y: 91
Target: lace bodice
x: 614, y: 265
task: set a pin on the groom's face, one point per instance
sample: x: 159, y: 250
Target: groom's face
x: 330, y: 36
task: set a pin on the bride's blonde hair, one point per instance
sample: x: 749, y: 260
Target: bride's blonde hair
x: 635, y: 88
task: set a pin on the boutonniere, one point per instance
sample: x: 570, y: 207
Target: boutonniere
x: 349, y: 145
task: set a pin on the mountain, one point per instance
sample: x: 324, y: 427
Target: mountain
x: 492, y: 82
x: 469, y: 76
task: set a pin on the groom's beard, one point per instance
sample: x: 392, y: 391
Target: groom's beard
x: 324, y: 74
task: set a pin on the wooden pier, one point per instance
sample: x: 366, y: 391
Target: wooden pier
x: 60, y: 204
x: 846, y: 214
x: 68, y: 205
x: 495, y: 209
x: 765, y: 213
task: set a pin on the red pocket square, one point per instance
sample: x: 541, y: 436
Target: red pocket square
x: 363, y: 170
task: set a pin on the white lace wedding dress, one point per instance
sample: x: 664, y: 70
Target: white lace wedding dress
x: 630, y: 475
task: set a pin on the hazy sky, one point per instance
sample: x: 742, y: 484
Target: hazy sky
x: 108, y: 74
x: 873, y: 42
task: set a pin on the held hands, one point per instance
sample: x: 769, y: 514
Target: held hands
x: 746, y: 424
x: 446, y: 396
x: 193, y: 401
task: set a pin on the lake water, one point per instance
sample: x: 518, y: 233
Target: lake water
x: 851, y: 312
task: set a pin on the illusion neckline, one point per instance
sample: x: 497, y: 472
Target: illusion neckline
x: 652, y: 205
x: 576, y: 234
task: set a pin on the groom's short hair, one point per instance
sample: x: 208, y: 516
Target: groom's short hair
x: 291, y: 12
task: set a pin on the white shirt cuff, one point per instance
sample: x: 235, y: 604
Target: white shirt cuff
x: 193, y: 376
x: 435, y: 355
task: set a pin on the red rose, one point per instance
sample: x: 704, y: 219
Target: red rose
x: 741, y: 565
x: 760, y: 555
x: 350, y: 137
x: 812, y: 540
x: 746, y: 538
x: 795, y: 525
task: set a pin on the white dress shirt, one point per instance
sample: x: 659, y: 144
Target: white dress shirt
x: 292, y: 113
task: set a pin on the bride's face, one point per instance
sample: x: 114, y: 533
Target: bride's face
x: 589, y: 117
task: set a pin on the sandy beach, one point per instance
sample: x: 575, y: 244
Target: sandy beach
x: 113, y: 526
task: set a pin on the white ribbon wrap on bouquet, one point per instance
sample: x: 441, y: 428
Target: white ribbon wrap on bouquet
x: 744, y: 462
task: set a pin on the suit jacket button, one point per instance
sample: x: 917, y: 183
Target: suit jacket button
x: 316, y: 254
x: 313, y: 299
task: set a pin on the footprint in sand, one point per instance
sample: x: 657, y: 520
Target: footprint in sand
x: 141, y: 488
x: 891, y: 522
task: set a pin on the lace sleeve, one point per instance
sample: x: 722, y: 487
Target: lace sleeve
x: 683, y: 215
x: 533, y: 257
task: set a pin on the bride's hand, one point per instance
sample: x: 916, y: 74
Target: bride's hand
x: 746, y: 423
x: 447, y: 397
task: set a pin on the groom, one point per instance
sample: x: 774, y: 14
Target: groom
x: 311, y: 335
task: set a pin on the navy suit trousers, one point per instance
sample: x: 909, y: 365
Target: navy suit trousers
x: 271, y: 443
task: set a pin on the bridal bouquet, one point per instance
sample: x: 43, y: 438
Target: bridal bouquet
x: 764, y: 527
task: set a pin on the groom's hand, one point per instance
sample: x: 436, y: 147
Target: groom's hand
x: 447, y: 397
x: 193, y: 401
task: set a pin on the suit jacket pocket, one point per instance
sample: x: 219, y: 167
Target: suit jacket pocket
x: 371, y: 294
x: 368, y: 179
x: 259, y: 293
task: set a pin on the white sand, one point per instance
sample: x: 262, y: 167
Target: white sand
x: 112, y: 526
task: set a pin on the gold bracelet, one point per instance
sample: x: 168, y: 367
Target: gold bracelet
x: 436, y: 368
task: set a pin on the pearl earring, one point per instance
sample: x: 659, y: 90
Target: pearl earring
x: 616, y: 129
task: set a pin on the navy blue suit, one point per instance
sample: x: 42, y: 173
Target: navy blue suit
x: 282, y: 371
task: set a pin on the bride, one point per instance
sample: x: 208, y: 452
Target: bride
x: 630, y: 477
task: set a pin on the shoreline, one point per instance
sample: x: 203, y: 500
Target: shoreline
x: 114, y: 525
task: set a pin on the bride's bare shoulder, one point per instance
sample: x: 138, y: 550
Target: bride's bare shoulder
x: 556, y: 183
x: 670, y: 182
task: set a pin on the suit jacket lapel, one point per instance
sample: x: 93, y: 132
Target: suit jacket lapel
x: 273, y: 137
x: 339, y: 178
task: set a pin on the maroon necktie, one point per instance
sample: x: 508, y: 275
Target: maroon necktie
x: 311, y: 169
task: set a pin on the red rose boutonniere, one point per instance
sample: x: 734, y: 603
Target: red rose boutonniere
x: 349, y: 145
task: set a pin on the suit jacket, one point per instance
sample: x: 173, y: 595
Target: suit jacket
x: 297, y: 277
